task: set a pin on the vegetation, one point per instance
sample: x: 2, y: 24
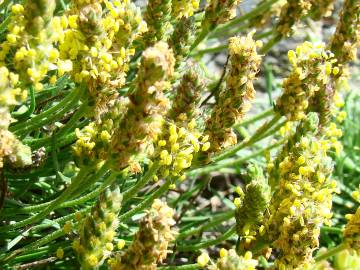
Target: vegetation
x: 122, y: 147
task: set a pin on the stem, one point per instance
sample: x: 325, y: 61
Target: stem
x: 53, y: 205
x: 216, y: 49
x: 37, y: 244
x: 194, y: 266
x: 85, y: 198
x: 252, y: 14
x: 128, y: 194
x: 233, y: 162
x: 208, y: 243
x: 36, y: 263
x: 4, y: 24
x: 331, y: 252
x: 65, y: 129
x: 145, y: 203
x: 67, y: 139
x: 331, y: 229
x: 269, y: 79
x: 31, y: 109
x: 50, y: 115
x: 215, y: 90
x: 107, y: 182
x: 4, y: 3
x: 223, y: 47
x: 93, y: 179
x: 272, y: 130
x: 270, y: 44
x: 69, y: 98
x: 210, y: 223
x: 200, y: 38
x: 232, y: 151
x: 50, y: 237
x: 255, y: 118
x: 264, y: 34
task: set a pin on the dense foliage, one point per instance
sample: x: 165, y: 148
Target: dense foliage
x: 122, y: 147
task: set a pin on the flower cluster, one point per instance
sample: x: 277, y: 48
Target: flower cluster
x: 188, y: 94
x: 352, y: 231
x: 32, y: 35
x: 182, y: 38
x: 321, y: 9
x: 219, y: 12
x: 264, y: 18
x: 184, y: 8
x: 346, y: 39
x: 10, y: 94
x: 230, y: 260
x: 310, y: 77
x: 253, y: 202
x: 157, y: 17
x: 13, y: 151
x: 93, y: 142
x: 98, y: 43
x: 148, y: 105
x: 234, y: 100
x: 178, y: 146
x: 301, y: 203
x: 352, y: 228
x: 346, y: 260
x: 291, y: 13
x: 150, y: 245
x: 97, y: 231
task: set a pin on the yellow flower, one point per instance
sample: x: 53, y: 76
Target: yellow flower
x: 203, y: 259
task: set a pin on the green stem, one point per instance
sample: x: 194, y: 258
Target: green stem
x: 128, y: 194
x: 53, y: 205
x: 60, y: 221
x: 267, y: 47
x: 216, y: 49
x: 264, y: 34
x: 31, y: 108
x: 208, y: 243
x: 215, y: 220
x: 181, y: 267
x: 269, y: 79
x: 32, y: 256
x: 331, y: 252
x: 331, y: 229
x: 50, y: 115
x: 272, y: 130
x: 67, y: 139
x: 232, y: 151
x: 4, y: 24
x: 233, y: 162
x: 107, y: 182
x: 88, y: 182
x: 4, y: 3
x: 56, y: 234
x: 200, y: 38
x: 146, y: 203
x: 223, y: 47
x: 84, y: 108
x: 252, y: 14
x: 50, y: 237
x: 85, y: 198
x: 255, y: 118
